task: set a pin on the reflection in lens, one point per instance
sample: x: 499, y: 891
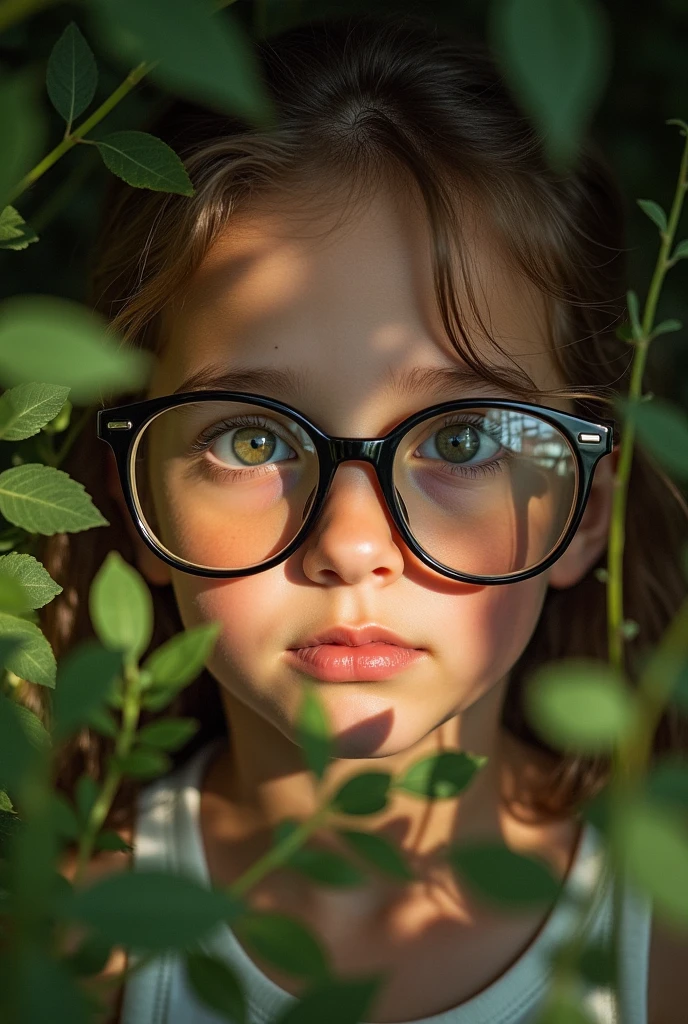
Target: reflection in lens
x: 487, y: 491
x: 223, y: 485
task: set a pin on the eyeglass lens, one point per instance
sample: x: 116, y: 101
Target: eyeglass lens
x: 227, y: 485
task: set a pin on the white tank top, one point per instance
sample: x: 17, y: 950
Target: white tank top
x: 168, y: 837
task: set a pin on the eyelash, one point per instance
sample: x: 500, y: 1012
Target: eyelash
x: 206, y: 438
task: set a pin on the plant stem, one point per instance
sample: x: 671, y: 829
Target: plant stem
x: 132, y: 79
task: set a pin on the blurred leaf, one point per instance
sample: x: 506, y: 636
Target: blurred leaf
x: 502, y: 876
x: 565, y: 1009
x: 42, y: 499
x: 22, y: 129
x: 202, y: 56
x: 326, y: 867
x: 90, y: 956
x: 314, y: 731
x: 168, y: 733
x: 335, y: 1001
x: 36, y: 581
x: 45, y: 338
x: 580, y: 704
x: 27, y: 408
x: 654, y: 845
x: 34, y: 660
x: 15, y: 233
x: 667, y: 782
x: 654, y: 211
x: 18, y: 744
x: 216, y: 985
x: 50, y: 994
x: 379, y: 852
x: 596, y: 964
x: 86, y: 793
x: 121, y: 606
x: 556, y: 58
x: 441, y: 776
x: 85, y: 676
x: 284, y: 942
x: 102, y: 722
x: 72, y: 75
x: 65, y: 820
x: 681, y: 250
x: 663, y: 430
x: 365, y: 793
x: 108, y: 839
x: 666, y: 327
x: 177, y: 662
x: 142, y: 764
x: 144, y: 161
x: 152, y: 910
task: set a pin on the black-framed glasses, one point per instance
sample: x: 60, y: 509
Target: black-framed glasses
x: 226, y: 484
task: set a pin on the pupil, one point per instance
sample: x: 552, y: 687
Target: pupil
x: 252, y: 446
x: 458, y: 445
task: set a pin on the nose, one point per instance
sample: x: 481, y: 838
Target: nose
x: 354, y: 539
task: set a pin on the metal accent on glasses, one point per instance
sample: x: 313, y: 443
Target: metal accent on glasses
x: 380, y: 452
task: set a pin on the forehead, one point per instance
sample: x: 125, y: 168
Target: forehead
x: 345, y: 297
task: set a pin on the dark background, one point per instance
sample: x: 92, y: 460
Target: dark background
x: 648, y: 84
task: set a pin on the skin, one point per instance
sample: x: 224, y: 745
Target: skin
x: 348, y: 308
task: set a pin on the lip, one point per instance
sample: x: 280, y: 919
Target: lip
x: 344, y: 655
x: 355, y: 637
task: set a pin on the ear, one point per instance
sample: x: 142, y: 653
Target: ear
x: 590, y: 539
x: 152, y: 568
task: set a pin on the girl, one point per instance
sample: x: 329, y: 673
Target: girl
x: 397, y: 243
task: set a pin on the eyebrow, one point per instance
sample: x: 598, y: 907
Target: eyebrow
x: 418, y: 380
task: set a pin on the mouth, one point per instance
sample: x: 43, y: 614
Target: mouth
x: 344, y: 655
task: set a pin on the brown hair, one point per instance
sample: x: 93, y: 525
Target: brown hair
x: 362, y: 100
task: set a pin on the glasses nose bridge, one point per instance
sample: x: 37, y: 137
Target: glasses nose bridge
x: 348, y: 449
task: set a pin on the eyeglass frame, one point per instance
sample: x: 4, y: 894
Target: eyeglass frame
x: 120, y: 426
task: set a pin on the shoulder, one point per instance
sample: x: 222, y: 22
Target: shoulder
x: 667, y: 975
x: 103, y: 863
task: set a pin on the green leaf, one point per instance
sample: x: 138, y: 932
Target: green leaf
x: 314, y: 731
x: 203, y: 57
x: 654, y: 845
x: 64, y: 816
x: 580, y: 704
x: 379, y: 852
x: 102, y: 722
x: 85, y: 795
x: 556, y: 58
x: 178, y: 911
x: 634, y: 314
x: 72, y: 75
x: 666, y: 327
x: 90, y: 957
x: 20, y: 740
x: 366, y: 793
x: 335, y: 1001
x: 654, y: 211
x: 565, y: 1009
x: 34, y: 660
x: 502, y: 876
x: 667, y: 782
x: 144, y: 161
x: 663, y: 430
x: 45, y: 338
x: 108, y: 839
x: 85, y: 677
x: 22, y: 129
x: 35, y: 579
x: 168, y: 733
x: 325, y: 867
x: 121, y: 606
x: 15, y: 233
x: 441, y: 776
x: 42, y: 499
x: 143, y: 764
x: 596, y: 964
x: 284, y: 942
x: 681, y: 251
x: 27, y: 408
x: 13, y: 597
x: 216, y: 985
x: 176, y: 663
x: 49, y: 992
x: 5, y: 803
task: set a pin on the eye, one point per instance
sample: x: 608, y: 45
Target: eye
x: 457, y: 443
x: 251, y: 446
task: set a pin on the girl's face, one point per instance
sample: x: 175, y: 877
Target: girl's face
x: 351, y: 317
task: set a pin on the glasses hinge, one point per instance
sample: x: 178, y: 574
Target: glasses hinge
x: 119, y: 425
x: 589, y: 438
